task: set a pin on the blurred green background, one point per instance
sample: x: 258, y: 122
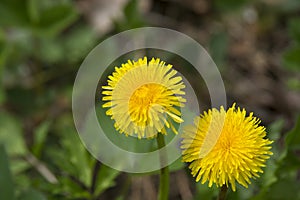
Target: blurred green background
x: 255, y: 43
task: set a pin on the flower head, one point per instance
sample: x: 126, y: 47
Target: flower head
x: 225, y: 147
x: 144, y: 98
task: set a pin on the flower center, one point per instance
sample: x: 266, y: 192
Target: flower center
x: 146, y: 105
x: 146, y: 95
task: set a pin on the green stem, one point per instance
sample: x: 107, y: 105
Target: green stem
x: 222, y: 193
x: 164, y: 171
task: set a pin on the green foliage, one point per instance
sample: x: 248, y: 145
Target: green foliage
x: 219, y: 47
x: 6, y: 183
x: 43, y: 42
x: 31, y: 194
x: 294, y: 29
x: 133, y: 18
x: 40, y: 136
x: 13, y: 13
x: 229, y: 5
x: 11, y: 135
x: 42, y: 17
x: 105, y: 179
x: 205, y: 192
x: 291, y: 56
x: 290, y: 5
x: 291, y: 59
x: 31, y: 39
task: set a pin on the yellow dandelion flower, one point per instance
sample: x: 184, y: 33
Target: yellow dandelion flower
x: 225, y: 147
x: 144, y: 98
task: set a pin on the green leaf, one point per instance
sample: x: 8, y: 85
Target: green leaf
x: 289, y: 162
x: 292, y: 140
x: 130, y: 9
x: 51, y: 51
x: 269, y: 175
x: 284, y: 189
x: 218, y: 47
x: 78, y: 43
x: 11, y: 135
x: 72, y: 160
x: 79, y: 161
x: 23, y: 99
x: 31, y: 194
x: 275, y: 129
x: 291, y: 58
x: 55, y: 19
x: 294, y: 84
x: 6, y: 182
x: 290, y: 5
x: 229, y: 5
x: 5, y: 50
x: 40, y: 135
x: 105, y: 179
x: 13, y: 13
x: 132, y: 15
x: 274, y: 133
x: 241, y: 192
x: 205, y: 192
x: 294, y: 28
x: 69, y: 188
x: 33, y: 11
x: 78, y: 157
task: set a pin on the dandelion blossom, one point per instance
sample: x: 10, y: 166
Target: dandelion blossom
x: 237, y: 144
x: 144, y: 98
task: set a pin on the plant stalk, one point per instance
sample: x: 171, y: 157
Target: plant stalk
x: 164, y: 171
x: 222, y: 193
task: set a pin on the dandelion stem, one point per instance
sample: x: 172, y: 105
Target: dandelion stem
x: 222, y: 193
x: 164, y: 171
